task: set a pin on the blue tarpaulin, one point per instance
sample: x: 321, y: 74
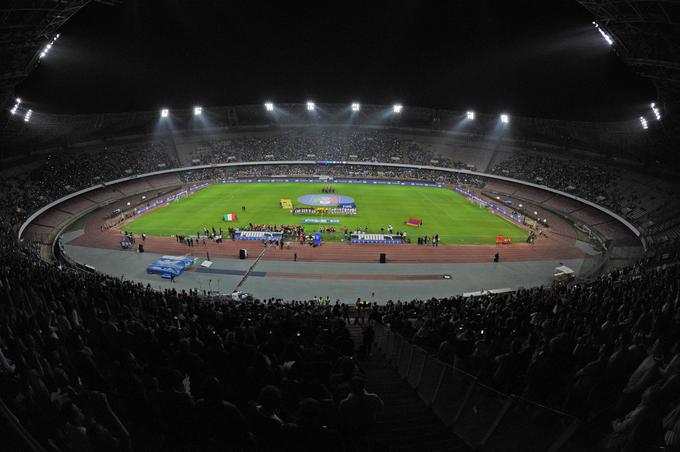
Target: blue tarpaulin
x: 170, y: 265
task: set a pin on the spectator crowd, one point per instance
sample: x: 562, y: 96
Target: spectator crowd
x: 89, y: 362
x: 607, y: 352
x: 321, y: 144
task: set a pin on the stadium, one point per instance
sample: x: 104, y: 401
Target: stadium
x: 302, y: 275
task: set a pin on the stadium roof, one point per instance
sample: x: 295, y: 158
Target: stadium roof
x: 26, y: 27
x: 647, y: 37
x: 646, y: 33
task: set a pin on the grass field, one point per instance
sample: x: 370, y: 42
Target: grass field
x: 443, y: 211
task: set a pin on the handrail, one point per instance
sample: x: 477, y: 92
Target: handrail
x: 608, y: 212
x: 474, y: 377
x: 26, y: 438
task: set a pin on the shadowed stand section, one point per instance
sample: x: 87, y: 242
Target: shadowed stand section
x: 406, y: 424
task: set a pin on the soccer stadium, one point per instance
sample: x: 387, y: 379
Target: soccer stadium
x: 210, y: 244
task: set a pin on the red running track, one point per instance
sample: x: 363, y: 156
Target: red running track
x: 552, y: 247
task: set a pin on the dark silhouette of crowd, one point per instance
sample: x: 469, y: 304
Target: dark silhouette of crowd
x: 89, y: 362
x: 607, y: 351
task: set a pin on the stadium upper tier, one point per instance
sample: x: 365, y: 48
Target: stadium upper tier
x: 623, y: 139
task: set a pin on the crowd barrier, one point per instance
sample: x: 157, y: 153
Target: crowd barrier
x: 486, y: 419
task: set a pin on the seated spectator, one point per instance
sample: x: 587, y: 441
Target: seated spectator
x: 357, y: 414
x: 311, y: 434
x: 220, y: 424
x: 640, y: 428
x: 265, y: 422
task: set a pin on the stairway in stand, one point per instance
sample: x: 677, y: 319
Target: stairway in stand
x: 406, y: 424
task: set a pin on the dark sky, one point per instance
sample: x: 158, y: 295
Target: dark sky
x: 534, y: 58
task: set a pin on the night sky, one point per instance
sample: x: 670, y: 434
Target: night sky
x: 533, y: 58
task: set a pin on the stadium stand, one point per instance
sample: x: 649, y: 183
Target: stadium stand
x: 110, y: 364
x: 637, y: 197
x: 90, y: 362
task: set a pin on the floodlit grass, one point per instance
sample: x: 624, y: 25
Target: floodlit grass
x: 443, y: 211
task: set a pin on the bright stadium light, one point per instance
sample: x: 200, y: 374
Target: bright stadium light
x: 643, y: 121
x: 269, y: 106
x: 16, y: 106
x: 164, y: 113
x: 505, y: 118
x: 29, y: 113
x: 604, y: 34
x: 47, y: 48
x: 470, y: 115
x: 198, y: 111
x: 657, y: 112
x: 310, y: 106
x: 356, y: 106
x: 396, y: 108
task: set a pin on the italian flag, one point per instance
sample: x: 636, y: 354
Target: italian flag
x: 229, y: 217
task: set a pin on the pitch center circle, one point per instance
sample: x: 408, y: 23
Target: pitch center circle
x: 325, y: 200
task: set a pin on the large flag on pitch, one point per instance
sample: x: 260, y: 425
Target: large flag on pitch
x: 229, y: 217
x: 414, y: 222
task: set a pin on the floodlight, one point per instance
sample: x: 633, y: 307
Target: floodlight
x: 657, y: 112
x: 470, y: 115
x: 16, y: 106
x: 47, y: 48
x: 269, y: 106
x: 643, y: 121
x: 164, y: 113
x: 198, y: 111
x: 604, y: 34
x: 310, y: 106
x: 19, y: 101
x: 396, y: 108
x: 606, y: 37
x: 505, y: 118
x: 356, y: 106
x: 29, y: 113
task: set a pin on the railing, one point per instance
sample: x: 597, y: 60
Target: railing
x: 14, y: 434
x: 486, y: 419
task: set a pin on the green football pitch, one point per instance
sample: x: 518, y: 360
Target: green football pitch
x: 443, y: 211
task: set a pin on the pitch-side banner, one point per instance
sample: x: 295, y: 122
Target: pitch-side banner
x: 338, y: 181
x: 321, y: 220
